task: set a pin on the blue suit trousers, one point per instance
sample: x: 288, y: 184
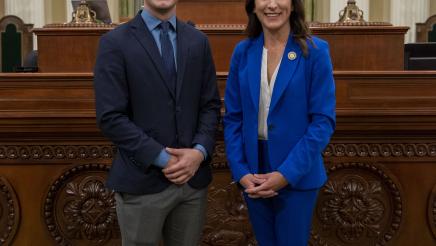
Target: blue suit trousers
x: 283, y: 220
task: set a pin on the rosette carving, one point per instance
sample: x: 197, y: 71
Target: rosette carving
x: 359, y: 205
x: 9, y: 212
x: 432, y: 211
x: 79, y: 210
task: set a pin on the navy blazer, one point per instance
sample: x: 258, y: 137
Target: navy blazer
x: 301, y: 116
x: 140, y: 114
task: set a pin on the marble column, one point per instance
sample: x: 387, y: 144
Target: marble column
x: 322, y: 10
x: 69, y: 10
x: 408, y: 13
x: 380, y: 10
x: 432, y: 8
x: 337, y: 5
x: 309, y: 6
x: 127, y: 8
x: 138, y: 5
x: 2, y: 8
x: 114, y: 9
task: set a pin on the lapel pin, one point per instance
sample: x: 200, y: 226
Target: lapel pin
x: 292, y: 55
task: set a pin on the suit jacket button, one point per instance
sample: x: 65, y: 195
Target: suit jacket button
x: 178, y: 109
x: 270, y: 126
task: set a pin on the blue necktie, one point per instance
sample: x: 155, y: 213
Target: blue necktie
x: 168, y: 54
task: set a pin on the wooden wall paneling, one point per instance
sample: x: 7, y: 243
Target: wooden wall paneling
x: 47, y: 95
x: 386, y: 93
x: 212, y: 12
x: 361, y: 48
x: 77, y: 48
x: 354, y: 48
x: 223, y: 39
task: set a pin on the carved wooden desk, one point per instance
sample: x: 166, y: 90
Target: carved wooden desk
x: 381, y: 164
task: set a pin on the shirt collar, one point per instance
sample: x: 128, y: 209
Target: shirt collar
x: 153, y: 22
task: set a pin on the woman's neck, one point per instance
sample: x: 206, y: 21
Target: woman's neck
x: 276, y: 38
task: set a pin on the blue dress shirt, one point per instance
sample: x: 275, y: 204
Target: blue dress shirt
x: 152, y: 24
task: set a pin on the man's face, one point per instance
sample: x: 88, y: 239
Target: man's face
x: 160, y: 6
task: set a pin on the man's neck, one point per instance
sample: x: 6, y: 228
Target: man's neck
x: 161, y: 15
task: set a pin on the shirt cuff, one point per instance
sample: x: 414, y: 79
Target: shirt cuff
x: 162, y: 159
x: 202, y: 150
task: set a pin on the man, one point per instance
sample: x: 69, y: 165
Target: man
x: 157, y: 101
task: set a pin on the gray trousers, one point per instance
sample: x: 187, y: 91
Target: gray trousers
x: 175, y: 216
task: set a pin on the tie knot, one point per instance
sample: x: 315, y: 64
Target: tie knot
x: 165, y: 25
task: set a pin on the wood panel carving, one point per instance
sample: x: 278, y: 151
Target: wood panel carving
x: 227, y: 221
x: 361, y: 204
x: 47, y: 124
x: 381, y: 150
x: 9, y: 212
x: 79, y: 210
x: 432, y: 211
x: 83, y: 152
x: 219, y: 156
x: 227, y: 217
x: 48, y: 152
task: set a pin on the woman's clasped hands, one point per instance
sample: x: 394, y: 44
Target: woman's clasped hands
x: 263, y: 185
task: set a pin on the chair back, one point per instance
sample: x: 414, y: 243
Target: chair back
x: 16, y: 42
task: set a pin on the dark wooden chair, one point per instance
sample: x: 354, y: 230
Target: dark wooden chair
x: 426, y: 32
x: 16, y: 42
x: 420, y: 56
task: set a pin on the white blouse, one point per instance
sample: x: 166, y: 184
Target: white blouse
x: 266, y: 90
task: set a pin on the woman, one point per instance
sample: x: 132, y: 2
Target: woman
x: 280, y: 115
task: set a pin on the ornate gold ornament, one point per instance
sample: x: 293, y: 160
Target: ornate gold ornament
x: 83, y: 14
x: 351, y: 13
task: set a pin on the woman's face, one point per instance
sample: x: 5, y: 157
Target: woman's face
x: 273, y: 14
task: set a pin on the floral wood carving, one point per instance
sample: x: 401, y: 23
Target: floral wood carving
x: 359, y: 205
x: 85, y: 152
x: 79, y: 210
x: 432, y: 211
x: 219, y: 160
x: 9, y: 212
x: 48, y: 152
x: 227, y: 218
x: 381, y: 150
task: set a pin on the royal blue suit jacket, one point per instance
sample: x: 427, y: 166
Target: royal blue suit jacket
x: 301, y: 117
x: 141, y: 115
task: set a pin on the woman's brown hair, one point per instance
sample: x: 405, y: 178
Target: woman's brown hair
x: 297, y: 19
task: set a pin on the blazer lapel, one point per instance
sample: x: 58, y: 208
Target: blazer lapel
x: 182, y: 55
x: 144, y: 37
x: 286, y: 70
x: 254, y: 64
